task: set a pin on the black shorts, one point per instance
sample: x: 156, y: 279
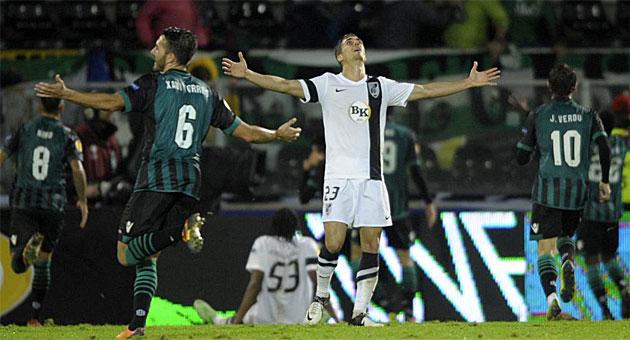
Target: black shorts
x: 596, y: 238
x: 151, y: 211
x: 550, y: 222
x: 25, y: 222
x: 398, y: 234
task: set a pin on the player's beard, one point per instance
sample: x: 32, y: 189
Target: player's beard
x: 158, y: 64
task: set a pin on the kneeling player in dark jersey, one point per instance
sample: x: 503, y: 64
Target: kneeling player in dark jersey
x: 598, y: 235
x: 178, y: 110
x: 562, y: 134
x: 43, y: 148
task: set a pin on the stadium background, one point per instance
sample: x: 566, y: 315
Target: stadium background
x: 477, y: 265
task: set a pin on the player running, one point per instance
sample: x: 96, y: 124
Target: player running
x: 43, y: 148
x: 598, y: 235
x: 562, y: 134
x: 178, y: 110
x: 353, y: 108
x: 401, y: 157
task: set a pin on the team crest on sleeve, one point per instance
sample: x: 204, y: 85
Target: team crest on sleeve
x: 359, y: 112
x: 374, y: 89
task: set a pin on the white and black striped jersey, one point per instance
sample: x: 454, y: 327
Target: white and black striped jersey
x: 287, y: 289
x: 354, y: 115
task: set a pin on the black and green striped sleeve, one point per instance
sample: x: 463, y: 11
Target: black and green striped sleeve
x: 140, y: 94
x: 222, y: 117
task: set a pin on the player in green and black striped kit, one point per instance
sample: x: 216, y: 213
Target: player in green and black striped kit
x: 178, y: 110
x: 598, y: 236
x: 561, y: 133
x: 43, y: 149
x: 400, y: 158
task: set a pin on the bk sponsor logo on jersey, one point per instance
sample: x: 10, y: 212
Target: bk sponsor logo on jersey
x: 359, y: 112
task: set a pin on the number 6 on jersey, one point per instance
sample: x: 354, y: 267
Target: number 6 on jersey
x: 185, y: 129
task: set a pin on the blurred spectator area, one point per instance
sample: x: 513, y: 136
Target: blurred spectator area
x: 467, y: 139
x: 297, y: 23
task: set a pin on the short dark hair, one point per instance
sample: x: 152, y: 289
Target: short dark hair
x: 181, y: 42
x: 562, y: 80
x: 51, y: 105
x: 608, y: 120
x: 340, y: 43
x: 284, y: 223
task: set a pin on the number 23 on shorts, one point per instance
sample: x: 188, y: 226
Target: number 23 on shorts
x: 330, y: 193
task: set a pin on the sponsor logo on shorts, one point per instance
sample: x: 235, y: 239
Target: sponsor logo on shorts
x: 327, y: 208
x: 535, y: 227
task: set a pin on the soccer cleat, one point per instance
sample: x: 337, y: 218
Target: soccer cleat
x: 31, y: 250
x: 127, y: 333
x: 315, y: 311
x: 33, y: 323
x: 205, y: 311
x: 364, y: 321
x: 553, y: 311
x: 568, y: 281
x: 192, y: 232
x: 625, y: 303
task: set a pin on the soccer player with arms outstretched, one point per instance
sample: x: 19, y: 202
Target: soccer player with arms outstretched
x: 178, y: 110
x: 562, y: 133
x: 354, y: 106
x: 43, y: 148
x: 599, y: 233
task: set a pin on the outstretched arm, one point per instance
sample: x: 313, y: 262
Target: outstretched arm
x: 256, y: 134
x: 251, y: 293
x: 446, y: 88
x: 58, y: 89
x: 80, y: 182
x: 278, y: 84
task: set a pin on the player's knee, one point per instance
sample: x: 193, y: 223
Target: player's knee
x: 370, y: 246
x: 333, y: 245
x: 122, y: 258
x: 44, y: 256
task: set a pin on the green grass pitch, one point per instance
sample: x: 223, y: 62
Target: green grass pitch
x: 427, y: 330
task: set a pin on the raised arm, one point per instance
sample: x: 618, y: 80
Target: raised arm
x: 80, y: 183
x: 446, y: 88
x: 256, y: 134
x: 58, y: 89
x: 278, y: 84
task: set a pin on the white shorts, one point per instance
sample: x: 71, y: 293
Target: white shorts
x: 356, y: 202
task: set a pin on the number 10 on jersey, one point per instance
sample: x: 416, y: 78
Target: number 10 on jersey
x: 570, y: 144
